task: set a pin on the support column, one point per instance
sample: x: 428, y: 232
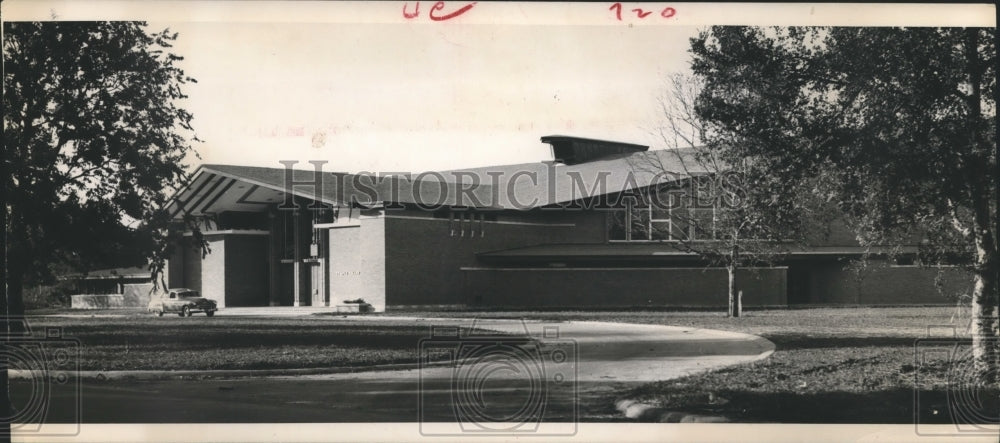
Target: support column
x: 325, y: 253
x: 274, y: 252
x: 297, y: 256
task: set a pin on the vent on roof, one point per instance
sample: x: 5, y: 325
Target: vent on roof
x: 575, y: 150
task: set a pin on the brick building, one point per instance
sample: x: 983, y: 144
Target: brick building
x: 545, y: 234
x: 110, y: 288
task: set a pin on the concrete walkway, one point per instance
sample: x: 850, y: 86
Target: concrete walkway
x: 601, y: 351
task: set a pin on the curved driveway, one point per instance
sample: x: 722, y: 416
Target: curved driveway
x: 605, y: 351
x: 572, y: 371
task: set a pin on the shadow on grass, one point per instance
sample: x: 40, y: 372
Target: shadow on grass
x: 113, y: 344
x: 788, y: 342
x: 202, y: 333
x: 893, y: 406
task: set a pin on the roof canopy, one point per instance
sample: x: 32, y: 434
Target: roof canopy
x: 622, y: 167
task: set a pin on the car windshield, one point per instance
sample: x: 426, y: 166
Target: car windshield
x: 187, y: 294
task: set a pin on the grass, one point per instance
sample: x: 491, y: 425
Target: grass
x: 831, y: 365
x: 140, y: 342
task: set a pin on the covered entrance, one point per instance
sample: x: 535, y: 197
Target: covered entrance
x: 277, y: 238
x: 260, y: 253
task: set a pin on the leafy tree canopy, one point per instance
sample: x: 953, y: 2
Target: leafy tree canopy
x: 896, y: 126
x: 899, y: 123
x: 94, y: 137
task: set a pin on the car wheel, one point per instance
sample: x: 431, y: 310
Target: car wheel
x: 209, y: 313
x: 185, y: 312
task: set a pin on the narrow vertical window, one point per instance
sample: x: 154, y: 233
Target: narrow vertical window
x: 451, y: 223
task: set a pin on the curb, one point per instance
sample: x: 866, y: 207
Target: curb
x: 647, y: 413
x: 224, y: 373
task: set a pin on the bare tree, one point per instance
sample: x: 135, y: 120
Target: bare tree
x: 709, y: 205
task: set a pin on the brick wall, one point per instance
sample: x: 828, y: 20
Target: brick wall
x: 213, y: 271
x: 423, y: 260
x: 174, y: 268
x: 136, y: 294
x: 191, y: 268
x: 246, y: 264
x: 345, y: 279
x: 97, y: 301
x: 881, y: 284
x: 357, y: 262
x: 373, y: 261
x: 620, y: 287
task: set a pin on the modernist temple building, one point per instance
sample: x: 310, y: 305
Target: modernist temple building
x: 555, y: 233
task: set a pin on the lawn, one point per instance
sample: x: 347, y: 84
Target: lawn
x: 138, y: 342
x: 831, y: 365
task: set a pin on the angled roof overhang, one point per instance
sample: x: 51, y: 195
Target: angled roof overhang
x: 217, y: 188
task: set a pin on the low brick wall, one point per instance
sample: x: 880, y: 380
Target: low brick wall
x: 137, y: 295
x: 97, y: 301
x: 834, y: 284
x: 620, y: 287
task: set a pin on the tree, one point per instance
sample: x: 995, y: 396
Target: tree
x: 94, y: 139
x: 721, y: 208
x: 897, y: 126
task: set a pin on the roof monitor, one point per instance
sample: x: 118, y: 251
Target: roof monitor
x: 575, y: 150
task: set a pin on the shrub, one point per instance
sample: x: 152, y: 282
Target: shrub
x: 55, y: 295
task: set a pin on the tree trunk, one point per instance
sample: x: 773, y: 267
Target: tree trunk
x: 739, y: 303
x: 12, y: 308
x: 5, y: 403
x: 985, y: 326
x: 13, y: 315
x: 734, y: 308
x: 734, y: 259
x: 985, y: 296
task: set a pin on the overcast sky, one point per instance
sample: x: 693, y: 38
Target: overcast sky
x: 362, y: 86
x: 411, y: 97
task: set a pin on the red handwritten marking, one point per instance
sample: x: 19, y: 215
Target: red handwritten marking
x: 617, y: 7
x: 641, y: 13
x: 440, y: 5
x: 416, y: 11
x: 434, y: 9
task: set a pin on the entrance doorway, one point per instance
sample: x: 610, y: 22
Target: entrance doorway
x: 286, y: 287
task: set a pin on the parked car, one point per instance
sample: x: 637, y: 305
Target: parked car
x: 183, y: 301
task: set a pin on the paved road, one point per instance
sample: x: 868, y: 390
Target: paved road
x: 569, y: 372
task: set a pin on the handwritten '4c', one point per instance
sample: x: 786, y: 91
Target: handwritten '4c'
x: 434, y: 10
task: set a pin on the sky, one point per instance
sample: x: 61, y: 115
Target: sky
x: 418, y: 96
x: 365, y: 88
